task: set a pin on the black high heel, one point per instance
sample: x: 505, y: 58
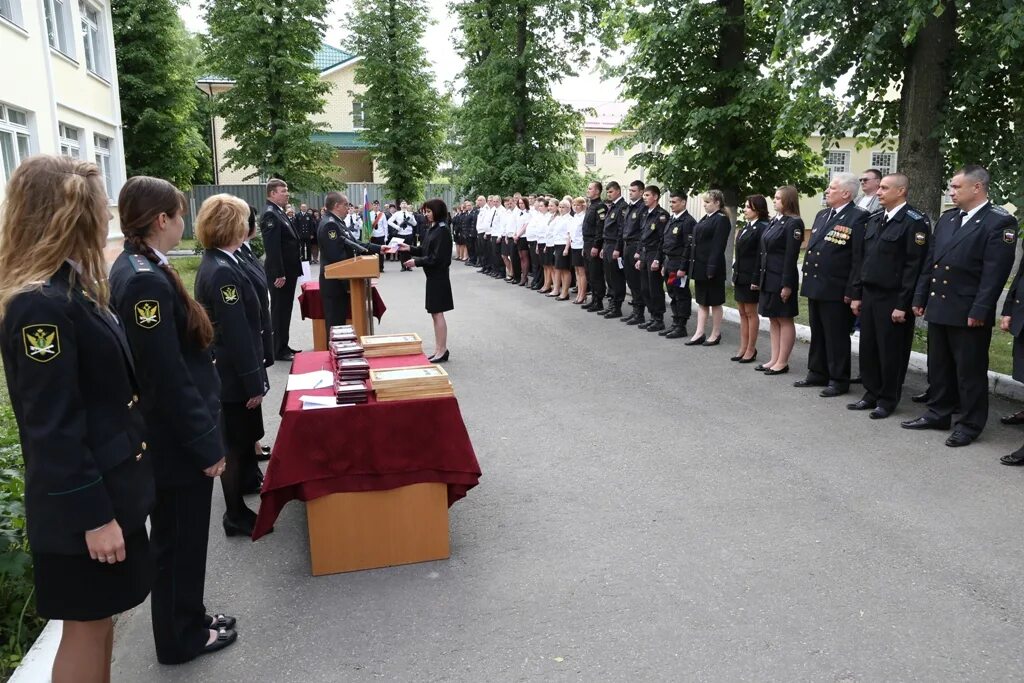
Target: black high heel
x: 441, y: 359
x: 749, y: 360
x: 713, y: 343
x: 696, y: 342
x: 242, y: 527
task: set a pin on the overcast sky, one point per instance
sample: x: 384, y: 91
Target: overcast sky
x: 586, y: 90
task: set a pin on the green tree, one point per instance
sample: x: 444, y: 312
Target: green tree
x: 512, y: 133
x: 156, y: 79
x: 942, y: 76
x: 707, y: 109
x: 267, y: 47
x: 404, y: 116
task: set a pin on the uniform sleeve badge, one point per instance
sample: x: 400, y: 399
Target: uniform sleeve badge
x: 662, y: 219
x: 42, y: 342
x: 147, y: 314
x: 333, y: 234
x: 229, y: 293
x: 798, y: 234
x: 920, y: 238
x: 675, y: 231
x: 1009, y: 235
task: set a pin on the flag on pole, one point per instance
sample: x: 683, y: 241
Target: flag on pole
x: 367, y: 227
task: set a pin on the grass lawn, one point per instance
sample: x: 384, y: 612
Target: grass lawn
x: 187, y: 267
x: 187, y: 245
x: 1000, y: 351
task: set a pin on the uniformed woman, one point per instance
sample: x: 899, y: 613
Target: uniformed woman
x: 226, y: 293
x: 75, y: 395
x: 434, y: 256
x: 745, y: 275
x: 576, y: 249
x: 707, y: 268
x: 779, y: 277
x: 170, y: 335
x: 560, y: 229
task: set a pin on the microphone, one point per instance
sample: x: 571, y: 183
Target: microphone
x: 355, y: 246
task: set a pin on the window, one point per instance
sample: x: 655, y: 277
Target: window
x: 102, y: 146
x: 618, y: 151
x: 11, y: 11
x: 69, y: 144
x: 14, y: 140
x: 884, y: 162
x: 58, y: 26
x: 836, y: 161
x: 358, y: 115
x: 92, y: 39
x: 590, y: 149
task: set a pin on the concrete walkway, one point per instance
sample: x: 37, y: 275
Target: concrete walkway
x: 648, y: 511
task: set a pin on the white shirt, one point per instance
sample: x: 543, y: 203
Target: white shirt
x: 380, y: 227
x: 398, y: 218
x: 163, y: 258
x: 577, y: 230
x: 533, y: 227
x: 890, y: 214
x: 483, y: 219
x: 354, y: 225
x: 970, y: 214
x: 507, y: 228
x: 558, y: 230
x: 836, y: 212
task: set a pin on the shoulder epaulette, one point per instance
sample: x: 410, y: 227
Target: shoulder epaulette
x: 140, y: 264
x: 996, y: 209
x: 952, y: 209
x: 915, y: 214
x: 877, y: 212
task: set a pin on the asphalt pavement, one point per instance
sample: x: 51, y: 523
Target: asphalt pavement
x: 647, y: 512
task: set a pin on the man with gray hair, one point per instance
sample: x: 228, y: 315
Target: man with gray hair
x: 828, y: 286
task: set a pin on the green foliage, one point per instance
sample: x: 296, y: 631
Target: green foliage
x: 704, y: 119
x: 510, y: 133
x: 405, y: 118
x: 156, y: 78
x: 266, y: 47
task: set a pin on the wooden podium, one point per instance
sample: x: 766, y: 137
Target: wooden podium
x: 358, y: 271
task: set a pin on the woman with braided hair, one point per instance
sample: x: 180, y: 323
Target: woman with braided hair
x: 170, y: 336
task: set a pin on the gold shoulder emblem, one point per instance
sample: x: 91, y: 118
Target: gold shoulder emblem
x: 1009, y: 236
x: 333, y: 234
x: 42, y: 342
x: 920, y: 238
x: 147, y: 313
x: 229, y: 293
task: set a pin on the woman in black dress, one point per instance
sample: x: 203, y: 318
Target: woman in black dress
x: 779, y: 277
x: 745, y: 275
x: 434, y: 256
x: 88, y: 478
x: 707, y: 268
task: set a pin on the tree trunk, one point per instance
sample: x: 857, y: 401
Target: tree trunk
x: 926, y: 79
x: 519, y: 86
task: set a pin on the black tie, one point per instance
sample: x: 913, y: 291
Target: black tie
x: 959, y: 221
x: 831, y: 215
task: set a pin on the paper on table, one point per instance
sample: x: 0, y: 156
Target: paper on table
x: 317, y: 402
x: 320, y: 379
x: 305, y: 276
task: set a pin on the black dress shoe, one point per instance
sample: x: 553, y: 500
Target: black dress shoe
x: 856, y: 380
x: 441, y: 359
x: 861, y: 405
x: 769, y: 372
x: 218, y: 621
x: 748, y: 360
x: 1015, y: 459
x: 925, y: 423
x: 832, y: 391
x: 736, y: 358
x: 285, y: 356
x: 958, y: 439
x: 238, y: 527
x: 294, y: 350
x: 665, y: 332
x: 921, y: 398
x: 225, y: 637
x: 879, y: 413
x: 699, y: 341
x: 713, y: 343
x: 675, y: 333
x: 1015, y: 419
x: 803, y: 383
x: 630, y: 318
x: 644, y: 324
x: 656, y: 326
x: 614, y: 313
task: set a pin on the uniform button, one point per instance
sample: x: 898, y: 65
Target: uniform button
x: 943, y: 296
x: 135, y: 397
x: 143, y: 445
x: 947, y: 267
x: 936, y: 265
x: 933, y: 279
x: 945, y: 282
x: 138, y: 457
x: 933, y: 293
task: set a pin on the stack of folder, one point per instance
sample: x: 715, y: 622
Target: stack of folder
x: 343, y: 333
x: 352, y: 369
x: 349, y: 392
x: 345, y: 349
x: 391, y: 344
x: 417, y: 381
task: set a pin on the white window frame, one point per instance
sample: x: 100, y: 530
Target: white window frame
x: 885, y: 168
x: 590, y: 151
x: 358, y: 115
x: 94, y: 40
x: 103, y: 154
x: 618, y: 151
x: 58, y: 27
x: 70, y: 146
x: 18, y: 136
x: 10, y: 10
x: 835, y: 168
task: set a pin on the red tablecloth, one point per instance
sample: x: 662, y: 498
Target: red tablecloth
x: 369, y: 447
x: 312, y: 306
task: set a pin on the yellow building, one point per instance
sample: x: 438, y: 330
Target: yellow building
x: 58, y: 87
x: 342, y: 119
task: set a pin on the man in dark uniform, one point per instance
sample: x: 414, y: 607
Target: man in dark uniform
x: 968, y: 261
x: 675, y: 255
x: 282, y: 264
x: 304, y: 227
x: 631, y: 236
x: 593, y: 224
x: 827, y: 286
x: 647, y: 261
x: 336, y: 245
x: 470, y: 232
x: 886, y: 266
x: 611, y: 251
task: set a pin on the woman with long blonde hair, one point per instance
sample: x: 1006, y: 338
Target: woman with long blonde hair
x: 89, y: 483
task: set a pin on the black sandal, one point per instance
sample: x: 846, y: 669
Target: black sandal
x: 219, y: 621
x: 224, y: 638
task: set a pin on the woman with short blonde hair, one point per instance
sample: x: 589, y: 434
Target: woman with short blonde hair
x: 576, y: 249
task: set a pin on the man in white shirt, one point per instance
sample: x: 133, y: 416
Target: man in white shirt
x: 869, y: 181
x: 403, y: 223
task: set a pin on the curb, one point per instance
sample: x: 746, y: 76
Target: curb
x: 999, y: 384
x: 37, y: 665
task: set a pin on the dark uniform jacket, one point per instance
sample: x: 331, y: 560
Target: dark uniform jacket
x: 747, y: 249
x: 224, y: 290
x: 779, y: 252
x: 676, y: 242
x: 966, y: 267
x: 710, y: 235
x: 1013, y: 307
x: 614, y: 220
x: 333, y: 248
x: 891, y: 254
x: 653, y: 224
x: 434, y: 254
x: 254, y: 269
x: 593, y: 223
x: 470, y: 230
x: 179, y: 384
x: 304, y: 226
x: 75, y: 397
x: 633, y: 227
x: 828, y: 263
x: 281, y: 244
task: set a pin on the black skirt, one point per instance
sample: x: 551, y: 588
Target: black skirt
x: 771, y: 305
x: 1018, y: 359
x: 79, y: 588
x: 549, y: 256
x: 576, y: 257
x: 522, y: 244
x: 439, y: 292
x: 562, y: 260
x: 709, y: 292
x: 745, y: 295
x: 242, y: 427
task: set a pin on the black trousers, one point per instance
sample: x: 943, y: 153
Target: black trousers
x: 179, y: 531
x: 496, y: 263
x: 652, y: 291
x: 633, y: 276
x: 336, y: 305
x: 281, y: 301
x: 304, y: 248
x: 471, y: 241
x: 614, y: 277
x: 828, y: 359
x: 534, y: 260
x: 884, y: 347
x: 481, y: 250
x: 380, y: 257
x: 958, y: 369
x: 595, y: 271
